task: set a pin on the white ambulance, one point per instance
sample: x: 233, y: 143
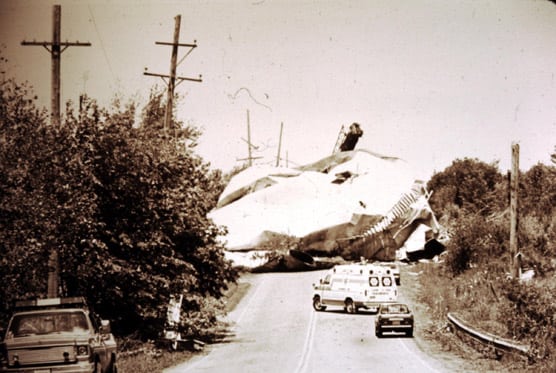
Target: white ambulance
x: 354, y: 286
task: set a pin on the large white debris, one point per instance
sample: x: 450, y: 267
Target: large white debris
x: 295, y: 202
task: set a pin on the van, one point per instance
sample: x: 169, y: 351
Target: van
x: 355, y: 286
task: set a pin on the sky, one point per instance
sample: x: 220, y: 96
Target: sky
x: 428, y: 81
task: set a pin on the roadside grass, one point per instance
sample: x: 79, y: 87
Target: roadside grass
x: 152, y: 360
x: 147, y: 357
x: 479, y: 297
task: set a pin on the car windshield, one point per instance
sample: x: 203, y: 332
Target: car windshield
x: 394, y: 308
x: 48, y: 322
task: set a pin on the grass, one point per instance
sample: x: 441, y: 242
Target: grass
x: 477, y: 297
x: 152, y: 360
x: 142, y: 357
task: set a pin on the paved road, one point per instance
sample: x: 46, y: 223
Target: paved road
x: 277, y: 330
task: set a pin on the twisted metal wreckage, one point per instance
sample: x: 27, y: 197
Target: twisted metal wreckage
x: 351, y: 205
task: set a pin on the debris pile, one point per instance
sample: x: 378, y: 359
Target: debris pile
x: 351, y: 204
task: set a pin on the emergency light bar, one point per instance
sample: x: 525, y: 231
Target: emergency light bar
x: 48, y: 302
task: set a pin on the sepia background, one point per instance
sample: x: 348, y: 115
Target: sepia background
x: 429, y: 81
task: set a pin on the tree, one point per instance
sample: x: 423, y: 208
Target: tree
x: 467, y: 184
x: 538, y: 191
x: 125, y: 206
x: 24, y: 236
x: 152, y: 196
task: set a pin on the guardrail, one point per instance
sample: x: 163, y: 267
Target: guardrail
x: 500, y: 344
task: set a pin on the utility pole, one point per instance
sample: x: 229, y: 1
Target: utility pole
x: 514, y: 189
x: 171, y: 83
x: 279, y: 144
x: 250, y: 146
x: 55, y: 47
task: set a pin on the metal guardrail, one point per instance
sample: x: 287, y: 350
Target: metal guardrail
x: 500, y: 344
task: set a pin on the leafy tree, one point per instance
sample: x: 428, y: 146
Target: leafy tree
x: 125, y: 207
x: 152, y: 198
x: 24, y: 204
x: 467, y: 184
x: 538, y: 191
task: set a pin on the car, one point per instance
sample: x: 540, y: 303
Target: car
x: 57, y: 335
x: 394, y: 317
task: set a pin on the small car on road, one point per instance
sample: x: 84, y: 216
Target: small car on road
x: 394, y: 317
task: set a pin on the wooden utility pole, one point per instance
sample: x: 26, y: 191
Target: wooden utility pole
x: 250, y: 146
x: 172, y: 81
x: 514, y: 189
x: 55, y: 47
x: 173, y: 65
x: 279, y: 144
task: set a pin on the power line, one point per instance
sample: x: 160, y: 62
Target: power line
x: 101, y: 44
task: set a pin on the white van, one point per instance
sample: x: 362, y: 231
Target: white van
x: 354, y: 286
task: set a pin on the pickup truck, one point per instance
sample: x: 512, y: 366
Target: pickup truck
x: 57, y: 335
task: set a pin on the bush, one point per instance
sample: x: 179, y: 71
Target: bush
x: 475, y: 240
x: 537, y: 241
x: 469, y: 184
x: 201, y: 319
x: 538, y: 192
x: 473, y: 279
x: 531, y: 315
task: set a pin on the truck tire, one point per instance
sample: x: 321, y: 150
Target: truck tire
x: 350, y: 306
x: 98, y: 367
x: 317, y: 305
x: 113, y: 368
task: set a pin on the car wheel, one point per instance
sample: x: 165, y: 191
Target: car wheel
x: 317, y: 305
x: 350, y: 306
x: 410, y: 333
x: 112, y: 368
x: 378, y: 334
x: 98, y: 367
x: 173, y: 344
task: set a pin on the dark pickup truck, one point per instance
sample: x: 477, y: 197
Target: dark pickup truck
x: 56, y: 335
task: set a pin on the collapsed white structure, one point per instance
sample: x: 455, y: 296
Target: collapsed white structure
x: 343, y: 204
